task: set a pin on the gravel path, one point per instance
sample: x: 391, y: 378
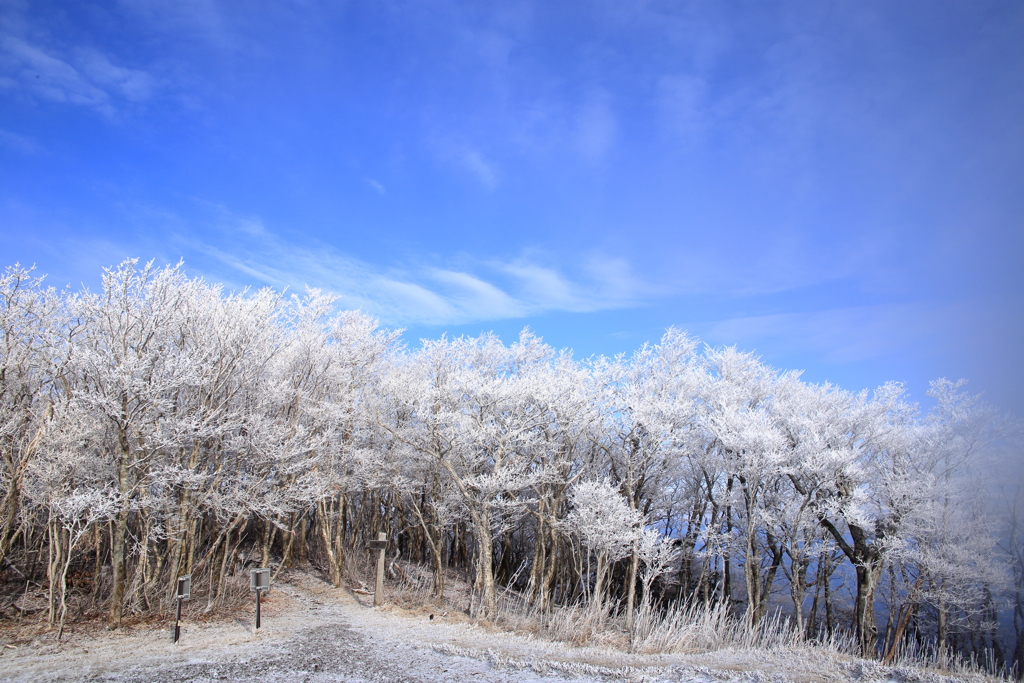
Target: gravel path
x: 310, y: 632
x: 314, y: 633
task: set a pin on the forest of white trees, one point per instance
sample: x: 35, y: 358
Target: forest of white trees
x: 159, y: 426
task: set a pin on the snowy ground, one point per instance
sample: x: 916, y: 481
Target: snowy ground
x: 314, y: 633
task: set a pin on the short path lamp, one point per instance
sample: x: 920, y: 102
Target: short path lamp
x: 259, y: 583
x: 183, y: 592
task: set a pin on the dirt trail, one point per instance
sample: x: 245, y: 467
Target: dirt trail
x: 315, y: 633
x: 310, y: 632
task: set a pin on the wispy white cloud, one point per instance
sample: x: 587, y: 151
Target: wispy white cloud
x: 474, y: 162
x: 595, y: 127
x: 19, y: 143
x: 407, y: 293
x: 538, y: 282
x: 197, y: 19
x: 842, y: 335
x: 404, y: 297
x: 613, y: 279
x: 88, y: 78
x: 134, y: 85
x: 50, y: 77
x: 466, y: 157
x: 681, y: 103
x: 469, y: 293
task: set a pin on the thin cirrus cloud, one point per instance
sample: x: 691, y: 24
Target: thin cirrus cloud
x: 88, y: 78
x: 681, y: 103
x: 417, y: 294
x: 381, y: 190
x: 841, y: 335
x: 19, y: 143
x: 480, y: 167
x: 596, y: 127
x: 466, y: 157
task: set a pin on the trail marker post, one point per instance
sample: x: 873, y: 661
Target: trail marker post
x: 259, y: 582
x: 379, y: 545
x: 183, y: 592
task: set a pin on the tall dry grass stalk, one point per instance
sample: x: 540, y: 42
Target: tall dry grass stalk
x: 696, y: 627
x: 581, y: 624
x: 679, y: 628
x: 913, y: 655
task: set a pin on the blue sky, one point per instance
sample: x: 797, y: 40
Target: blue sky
x: 838, y: 186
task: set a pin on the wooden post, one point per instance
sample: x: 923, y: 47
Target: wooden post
x: 378, y: 593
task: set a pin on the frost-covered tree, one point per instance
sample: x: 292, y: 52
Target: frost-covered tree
x: 650, y: 406
x: 468, y: 413
x: 945, y: 552
x: 31, y: 360
x: 126, y: 364
x: 605, y: 525
x: 163, y: 426
x: 750, y: 444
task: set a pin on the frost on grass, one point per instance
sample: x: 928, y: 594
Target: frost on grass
x: 317, y: 633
